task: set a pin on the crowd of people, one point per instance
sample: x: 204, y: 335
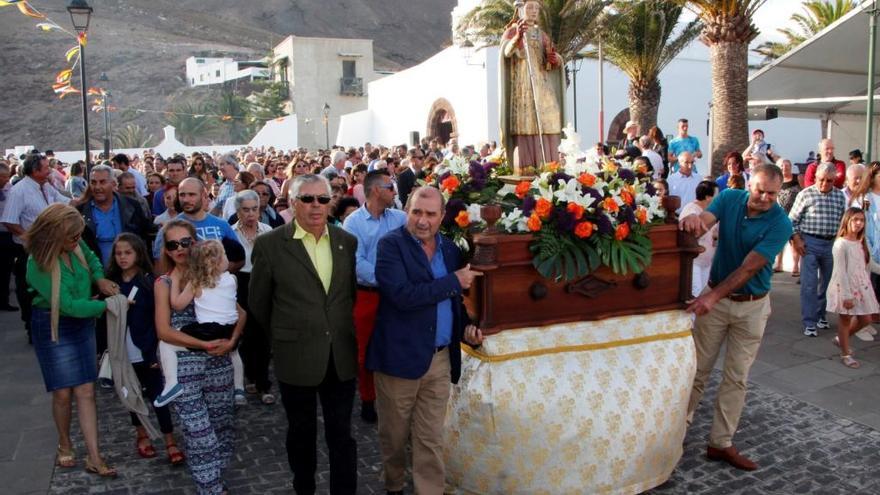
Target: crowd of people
x: 331, y: 266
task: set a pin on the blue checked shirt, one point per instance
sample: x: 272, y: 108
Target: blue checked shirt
x: 817, y: 214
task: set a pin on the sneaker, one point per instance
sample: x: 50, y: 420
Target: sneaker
x: 822, y: 324
x: 865, y: 334
x: 268, y: 399
x: 105, y: 383
x: 239, y: 398
x: 250, y: 388
x: 811, y: 332
x: 166, y: 398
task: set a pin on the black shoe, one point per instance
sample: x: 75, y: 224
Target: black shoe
x: 8, y: 307
x: 397, y: 492
x: 368, y: 412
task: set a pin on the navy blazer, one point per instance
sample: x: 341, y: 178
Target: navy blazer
x: 402, y: 344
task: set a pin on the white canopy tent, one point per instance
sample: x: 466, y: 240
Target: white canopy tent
x: 825, y: 77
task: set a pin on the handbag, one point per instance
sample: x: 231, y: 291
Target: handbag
x: 104, y: 371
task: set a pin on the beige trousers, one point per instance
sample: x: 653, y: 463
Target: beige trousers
x: 741, y: 326
x: 417, y: 408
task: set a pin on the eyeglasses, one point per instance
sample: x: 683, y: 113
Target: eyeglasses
x: 308, y: 199
x: 184, y: 242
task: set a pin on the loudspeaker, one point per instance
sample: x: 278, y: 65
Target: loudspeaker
x: 414, y: 138
x: 766, y: 113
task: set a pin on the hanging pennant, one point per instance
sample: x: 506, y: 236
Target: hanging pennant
x: 83, y: 38
x: 48, y: 26
x: 59, y: 87
x: 226, y: 118
x: 71, y: 53
x: 5, y: 3
x: 27, y: 10
x: 68, y: 90
x: 93, y: 91
x: 63, y: 76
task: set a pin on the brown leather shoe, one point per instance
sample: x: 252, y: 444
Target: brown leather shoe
x: 732, y: 457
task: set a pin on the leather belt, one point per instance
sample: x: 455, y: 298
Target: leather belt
x: 367, y: 288
x: 742, y: 297
x: 823, y: 237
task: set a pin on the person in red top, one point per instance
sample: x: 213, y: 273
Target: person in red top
x: 826, y: 155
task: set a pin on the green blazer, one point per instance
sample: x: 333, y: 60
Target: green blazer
x: 302, y: 320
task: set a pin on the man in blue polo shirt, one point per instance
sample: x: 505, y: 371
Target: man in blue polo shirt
x: 752, y: 230
x: 683, y: 142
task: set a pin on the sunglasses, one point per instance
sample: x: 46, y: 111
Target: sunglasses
x: 308, y: 199
x: 182, y: 243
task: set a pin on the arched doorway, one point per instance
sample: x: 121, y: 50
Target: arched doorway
x: 616, y: 132
x: 441, y: 121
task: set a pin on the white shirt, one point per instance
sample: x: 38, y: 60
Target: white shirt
x: 217, y: 304
x: 685, y: 187
x: 656, y: 162
x: 248, y: 246
x: 706, y: 240
x: 26, y: 200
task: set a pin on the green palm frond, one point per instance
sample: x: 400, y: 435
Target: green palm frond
x: 190, y: 123
x: 816, y: 15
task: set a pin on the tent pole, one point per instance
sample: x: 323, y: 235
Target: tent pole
x: 828, y: 124
x: 869, y: 127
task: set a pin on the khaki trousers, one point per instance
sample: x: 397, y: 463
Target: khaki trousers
x: 741, y: 326
x: 417, y: 408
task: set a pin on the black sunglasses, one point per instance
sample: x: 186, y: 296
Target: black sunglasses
x: 182, y: 243
x: 308, y: 199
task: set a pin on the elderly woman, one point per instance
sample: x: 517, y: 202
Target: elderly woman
x: 205, y: 409
x: 242, y: 181
x: 785, y: 198
x: 62, y: 271
x: 254, y: 346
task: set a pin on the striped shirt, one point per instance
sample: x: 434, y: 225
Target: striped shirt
x: 817, y: 214
x: 26, y: 200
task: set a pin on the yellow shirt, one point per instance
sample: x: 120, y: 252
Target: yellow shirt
x: 319, y: 252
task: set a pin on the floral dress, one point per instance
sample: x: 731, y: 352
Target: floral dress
x: 850, y: 280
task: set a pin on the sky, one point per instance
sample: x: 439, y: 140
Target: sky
x: 775, y: 14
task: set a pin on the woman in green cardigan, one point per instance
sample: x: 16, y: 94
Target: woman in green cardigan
x: 61, y: 270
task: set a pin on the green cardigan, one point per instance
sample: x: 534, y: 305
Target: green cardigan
x: 76, y: 285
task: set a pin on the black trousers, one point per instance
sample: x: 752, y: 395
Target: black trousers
x: 151, y: 386
x: 8, y: 252
x: 21, y: 286
x: 300, y: 403
x: 255, y: 349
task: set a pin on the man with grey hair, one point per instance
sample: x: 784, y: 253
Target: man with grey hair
x: 683, y: 183
x: 228, y: 169
x: 302, y: 292
x: 815, y: 218
x: 826, y: 156
x: 644, y: 145
x: 337, y: 164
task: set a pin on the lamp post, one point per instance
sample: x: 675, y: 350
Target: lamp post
x: 80, y: 15
x: 326, y: 111
x: 107, y: 132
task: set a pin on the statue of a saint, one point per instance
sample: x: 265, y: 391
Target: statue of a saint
x: 532, y: 89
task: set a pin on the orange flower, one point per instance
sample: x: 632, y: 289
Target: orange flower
x: 551, y: 167
x: 627, y: 197
x: 641, y: 215
x: 450, y: 184
x: 576, y: 210
x: 610, y: 205
x: 609, y: 166
x: 584, y: 229
x: 463, y: 219
x: 587, y: 179
x: 543, y: 207
x: 621, y: 232
x: 522, y: 189
x: 534, y: 223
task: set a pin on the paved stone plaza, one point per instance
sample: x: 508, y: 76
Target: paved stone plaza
x: 812, y: 424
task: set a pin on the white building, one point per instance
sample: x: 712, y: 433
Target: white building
x: 205, y: 71
x: 326, y: 77
x: 455, y: 94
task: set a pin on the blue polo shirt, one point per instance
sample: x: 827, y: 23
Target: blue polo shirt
x: 680, y: 145
x: 444, y: 307
x: 738, y: 235
x: 108, y: 225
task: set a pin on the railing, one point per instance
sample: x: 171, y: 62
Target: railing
x: 351, y: 86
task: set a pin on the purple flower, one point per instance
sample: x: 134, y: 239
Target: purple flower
x: 453, y: 208
x: 626, y: 174
x: 528, y: 205
x: 626, y: 214
x: 564, y: 220
x: 593, y: 193
x: 554, y: 179
x: 478, y: 176
x: 604, y: 224
x: 650, y: 190
x: 444, y: 177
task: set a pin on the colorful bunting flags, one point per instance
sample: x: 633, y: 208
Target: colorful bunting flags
x: 68, y: 90
x: 29, y: 11
x: 48, y: 26
x: 72, y: 53
x: 93, y: 91
x: 63, y: 76
x: 4, y: 3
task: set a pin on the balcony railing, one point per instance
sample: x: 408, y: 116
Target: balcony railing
x: 351, y: 86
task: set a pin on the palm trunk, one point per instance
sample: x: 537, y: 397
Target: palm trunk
x: 729, y: 100
x: 644, y: 100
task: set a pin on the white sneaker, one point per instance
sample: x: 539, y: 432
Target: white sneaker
x: 239, y: 398
x: 811, y: 332
x: 871, y: 330
x: 822, y: 324
x: 865, y: 334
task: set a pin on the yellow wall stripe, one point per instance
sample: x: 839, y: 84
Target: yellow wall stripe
x: 572, y: 348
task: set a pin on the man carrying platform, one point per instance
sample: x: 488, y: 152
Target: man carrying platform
x: 753, y: 228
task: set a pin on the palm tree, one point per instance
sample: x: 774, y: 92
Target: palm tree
x: 727, y: 31
x: 816, y: 16
x: 191, y: 122
x: 132, y: 136
x: 235, y: 119
x: 571, y: 24
x: 638, y: 39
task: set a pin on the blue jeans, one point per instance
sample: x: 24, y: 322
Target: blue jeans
x: 816, y: 266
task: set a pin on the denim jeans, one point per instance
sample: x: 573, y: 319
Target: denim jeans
x: 816, y: 266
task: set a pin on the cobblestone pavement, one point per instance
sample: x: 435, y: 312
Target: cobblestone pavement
x: 801, y: 449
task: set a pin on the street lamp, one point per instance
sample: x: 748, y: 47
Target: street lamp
x: 106, y: 97
x: 326, y: 111
x: 80, y: 15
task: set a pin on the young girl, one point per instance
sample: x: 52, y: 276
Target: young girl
x: 130, y: 268
x: 211, y: 289
x: 850, y: 294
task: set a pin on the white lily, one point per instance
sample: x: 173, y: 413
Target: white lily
x: 473, y: 211
x: 514, y: 221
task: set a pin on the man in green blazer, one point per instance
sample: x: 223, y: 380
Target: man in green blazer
x: 302, y: 292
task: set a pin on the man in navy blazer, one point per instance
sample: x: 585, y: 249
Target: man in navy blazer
x: 415, y: 348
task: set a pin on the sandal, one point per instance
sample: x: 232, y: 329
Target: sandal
x: 102, y: 470
x: 176, y: 457
x: 65, y: 458
x: 268, y: 399
x: 836, y: 341
x: 795, y: 274
x: 849, y: 362
x: 145, y: 451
